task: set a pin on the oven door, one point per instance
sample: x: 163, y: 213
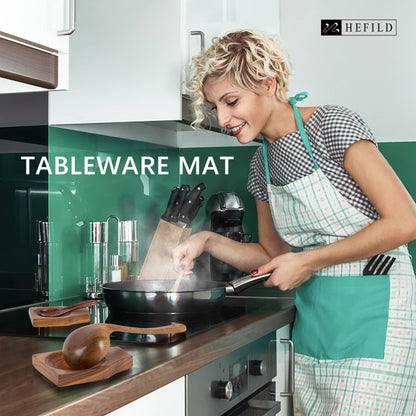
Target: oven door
x: 239, y: 383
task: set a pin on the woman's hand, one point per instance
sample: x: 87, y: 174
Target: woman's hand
x: 186, y: 252
x: 289, y: 271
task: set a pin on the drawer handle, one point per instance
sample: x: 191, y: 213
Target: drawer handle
x: 291, y: 368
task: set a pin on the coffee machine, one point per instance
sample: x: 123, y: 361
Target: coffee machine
x: 225, y: 212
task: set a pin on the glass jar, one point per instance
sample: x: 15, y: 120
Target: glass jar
x: 129, y: 249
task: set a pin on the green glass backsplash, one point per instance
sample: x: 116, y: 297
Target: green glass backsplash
x: 217, y: 179
x: 75, y: 199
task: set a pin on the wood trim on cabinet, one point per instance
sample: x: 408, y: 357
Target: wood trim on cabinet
x: 32, y: 66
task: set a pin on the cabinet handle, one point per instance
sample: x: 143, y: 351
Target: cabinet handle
x: 291, y: 368
x: 71, y: 29
x: 202, y: 36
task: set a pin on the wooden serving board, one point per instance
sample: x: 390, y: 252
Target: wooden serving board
x: 53, y: 366
x: 78, y: 316
x: 158, y: 263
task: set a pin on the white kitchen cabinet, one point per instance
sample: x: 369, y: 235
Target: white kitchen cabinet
x: 128, y: 57
x: 282, y: 379
x: 36, y: 24
x: 168, y: 400
x: 125, y: 63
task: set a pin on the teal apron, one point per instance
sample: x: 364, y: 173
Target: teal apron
x: 341, y: 314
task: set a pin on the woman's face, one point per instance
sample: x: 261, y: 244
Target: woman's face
x: 243, y: 112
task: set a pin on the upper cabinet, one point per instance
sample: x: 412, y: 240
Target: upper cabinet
x: 128, y: 58
x: 125, y: 63
x: 34, y: 44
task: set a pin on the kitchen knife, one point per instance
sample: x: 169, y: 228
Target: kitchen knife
x: 173, y: 201
x: 183, y: 191
x: 191, y: 206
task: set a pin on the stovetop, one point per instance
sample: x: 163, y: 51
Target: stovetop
x: 16, y: 322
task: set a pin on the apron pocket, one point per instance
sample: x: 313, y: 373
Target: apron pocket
x: 342, y: 317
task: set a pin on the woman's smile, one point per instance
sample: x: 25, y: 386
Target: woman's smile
x: 244, y: 112
x: 237, y: 129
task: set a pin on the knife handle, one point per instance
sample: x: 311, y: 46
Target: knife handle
x: 183, y: 191
x: 167, y: 215
x: 191, y: 206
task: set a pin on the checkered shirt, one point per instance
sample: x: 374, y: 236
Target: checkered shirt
x: 331, y: 130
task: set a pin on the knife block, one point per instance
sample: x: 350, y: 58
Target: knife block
x: 158, y: 263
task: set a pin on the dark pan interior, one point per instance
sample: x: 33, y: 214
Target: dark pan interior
x: 162, y: 285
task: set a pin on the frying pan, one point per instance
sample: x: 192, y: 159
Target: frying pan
x: 157, y: 297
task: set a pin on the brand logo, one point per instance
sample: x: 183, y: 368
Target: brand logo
x: 358, y: 27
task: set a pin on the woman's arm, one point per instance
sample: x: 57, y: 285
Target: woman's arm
x: 243, y: 256
x: 396, y: 226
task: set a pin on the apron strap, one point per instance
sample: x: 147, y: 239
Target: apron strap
x: 292, y: 101
x: 266, y: 163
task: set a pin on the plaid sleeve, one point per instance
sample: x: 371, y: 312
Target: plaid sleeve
x: 257, y: 184
x: 341, y: 128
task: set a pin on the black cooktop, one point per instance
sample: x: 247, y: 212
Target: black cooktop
x: 16, y: 322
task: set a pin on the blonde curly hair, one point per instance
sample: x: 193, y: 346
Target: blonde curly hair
x: 245, y: 57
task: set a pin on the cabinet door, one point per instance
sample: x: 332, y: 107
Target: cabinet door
x: 168, y: 400
x: 283, y: 370
x: 125, y: 63
x: 34, y: 24
x: 36, y: 21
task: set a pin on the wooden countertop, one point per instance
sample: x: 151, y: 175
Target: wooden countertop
x: 25, y: 392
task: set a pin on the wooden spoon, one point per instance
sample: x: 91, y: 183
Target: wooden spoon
x: 88, y: 345
x: 59, y: 311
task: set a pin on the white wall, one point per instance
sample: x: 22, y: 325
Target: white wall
x: 372, y: 75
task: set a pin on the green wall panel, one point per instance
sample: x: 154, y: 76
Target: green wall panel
x: 77, y: 199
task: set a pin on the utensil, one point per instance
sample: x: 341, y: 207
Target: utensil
x: 379, y: 265
x: 156, y: 296
x: 178, y: 281
x: 59, y: 311
x: 88, y: 345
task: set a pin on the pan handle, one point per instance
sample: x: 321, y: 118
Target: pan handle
x: 238, y: 285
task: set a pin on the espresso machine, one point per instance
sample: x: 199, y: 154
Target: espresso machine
x: 225, y: 212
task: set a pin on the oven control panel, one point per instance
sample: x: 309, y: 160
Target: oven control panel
x: 221, y: 385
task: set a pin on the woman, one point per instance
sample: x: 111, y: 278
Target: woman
x: 322, y: 188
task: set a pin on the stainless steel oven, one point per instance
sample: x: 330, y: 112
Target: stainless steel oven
x: 239, y: 383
